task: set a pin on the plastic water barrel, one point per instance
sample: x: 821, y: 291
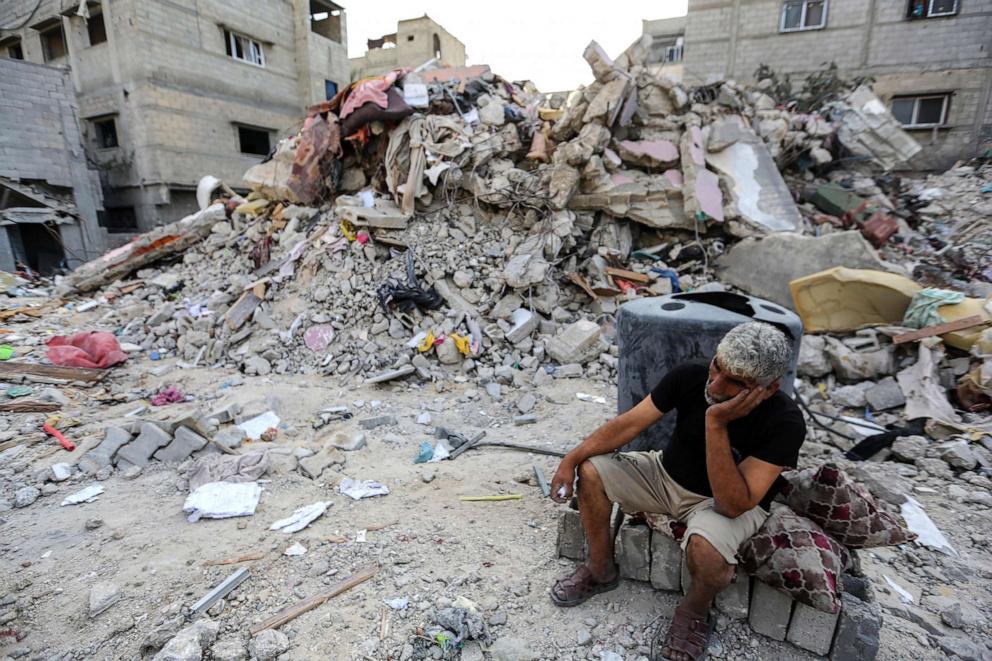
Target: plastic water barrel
x: 656, y: 334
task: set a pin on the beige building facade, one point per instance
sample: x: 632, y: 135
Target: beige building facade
x: 417, y: 41
x: 931, y: 59
x: 171, y: 90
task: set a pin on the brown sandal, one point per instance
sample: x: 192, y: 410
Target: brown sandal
x: 686, y: 635
x: 579, y: 587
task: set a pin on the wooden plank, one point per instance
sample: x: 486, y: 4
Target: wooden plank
x: 292, y: 612
x: 633, y: 276
x: 255, y: 555
x: 939, y: 329
x: 29, y: 406
x: 10, y: 370
x: 583, y: 285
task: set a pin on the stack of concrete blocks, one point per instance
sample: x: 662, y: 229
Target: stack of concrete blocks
x: 644, y: 555
x: 170, y: 442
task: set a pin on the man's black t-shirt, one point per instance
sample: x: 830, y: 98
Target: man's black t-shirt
x: 772, y: 432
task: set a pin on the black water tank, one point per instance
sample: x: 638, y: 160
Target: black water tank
x: 656, y: 334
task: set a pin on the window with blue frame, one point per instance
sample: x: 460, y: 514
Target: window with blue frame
x: 330, y: 89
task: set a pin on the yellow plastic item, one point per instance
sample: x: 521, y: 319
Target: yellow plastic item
x: 348, y: 230
x: 462, y: 343
x: 252, y: 208
x: 428, y: 342
x: 842, y: 299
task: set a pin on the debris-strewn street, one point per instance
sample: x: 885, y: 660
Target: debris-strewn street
x: 263, y: 430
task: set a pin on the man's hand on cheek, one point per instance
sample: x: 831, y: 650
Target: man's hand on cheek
x: 738, y: 406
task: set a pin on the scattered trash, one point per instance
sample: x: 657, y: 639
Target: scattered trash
x: 87, y: 495
x: 595, y: 399
x: 257, y: 426
x: 904, y: 596
x: 358, y: 489
x: 486, y: 499
x: 923, y: 526
x: 301, y: 517
x: 296, y: 549
x: 225, y: 588
x: 169, y: 395
x: 6, y: 352
x: 85, y: 349
x: 57, y: 435
x: 222, y: 500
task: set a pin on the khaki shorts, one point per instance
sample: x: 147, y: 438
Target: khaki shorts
x: 639, y: 483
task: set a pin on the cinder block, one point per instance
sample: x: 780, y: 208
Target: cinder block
x: 141, y: 449
x: 858, y: 630
x: 571, y: 537
x: 666, y: 563
x: 811, y: 629
x: 732, y: 601
x: 634, y: 552
x: 185, y: 443
x: 770, y: 611
x: 101, y: 455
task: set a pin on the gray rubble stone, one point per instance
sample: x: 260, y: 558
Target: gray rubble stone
x: 268, y: 645
x: 26, y: 496
x: 526, y: 403
x: 962, y: 648
x: 315, y: 465
x: 770, y: 611
x: 666, y: 563
x: 347, y: 441
x: 571, y: 537
x: 852, y: 397
x: 102, y: 597
x: 811, y: 629
x: 529, y: 419
x: 190, y: 643
x: 512, y: 649
x: 139, y: 451
x: 886, y: 394
x: 231, y: 437
x: 380, y: 421
x: 569, y: 371
x: 732, y: 601
x: 226, y: 414
x: 959, y: 455
x: 184, y: 443
x: 61, y: 472
x: 102, y: 455
x: 576, y: 343
x: 525, y: 323
x: 858, y: 629
x: 634, y: 552
x: 910, y: 448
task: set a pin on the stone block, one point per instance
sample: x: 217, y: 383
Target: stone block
x: 577, y: 343
x: 858, y: 629
x: 571, y: 537
x: 184, y: 443
x: 100, y: 456
x: 666, y: 563
x: 226, y: 414
x: 811, y: 629
x: 884, y: 395
x: 770, y: 611
x: 634, y: 552
x: 524, y: 324
x: 684, y: 573
x: 732, y: 601
x: 139, y: 451
x: 380, y: 421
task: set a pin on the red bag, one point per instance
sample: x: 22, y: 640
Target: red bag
x: 85, y: 349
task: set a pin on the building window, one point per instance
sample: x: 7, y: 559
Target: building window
x: 325, y: 19
x: 803, y: 15
x: 931, y: 8
x: 11, y: 48
x: 105, y: 132
x: 437, y: 47
x: 118, y: 220
x: 409, y: 37
x: 330, y: 89
x: 253, y: 141
x: 52, y: 42
x: 921, y: 112
x: 244, y: 48
x: 96, y: 28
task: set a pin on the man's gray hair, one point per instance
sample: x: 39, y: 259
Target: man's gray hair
x: 755, y: 350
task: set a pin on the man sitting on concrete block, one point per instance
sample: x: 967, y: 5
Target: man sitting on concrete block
x: 734, y: 434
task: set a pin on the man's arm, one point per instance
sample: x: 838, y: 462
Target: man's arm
x: 608, y: 437
x: 736, y: 488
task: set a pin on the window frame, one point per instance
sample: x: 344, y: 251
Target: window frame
x: 944, y: 110
x: 43, y: 34
x: 8, y: 45
x: 109, y: 219
x: 230, y: 43
x: 260, y: 129
x: 953, y: 12
x: 96, y: 122
x: 802, y: 17
x: 98, y: 14
x: 928, y: 10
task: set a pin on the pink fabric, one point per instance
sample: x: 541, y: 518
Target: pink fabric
x: 170, y: 395
x: 86, y: 349
x: 373, y: 89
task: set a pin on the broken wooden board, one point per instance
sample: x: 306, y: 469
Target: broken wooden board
x: 939, y: 329
x: 633, y: 276
x: 22, y: 406
x: 49, y: 373
x: 292, y: 612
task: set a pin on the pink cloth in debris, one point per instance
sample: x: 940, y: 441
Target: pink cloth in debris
x: 85, y: 349
x: 373, y: 89
x: 169, y: 395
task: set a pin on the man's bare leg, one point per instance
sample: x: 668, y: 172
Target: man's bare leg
x: 710, y: 574
x: 595, y: 509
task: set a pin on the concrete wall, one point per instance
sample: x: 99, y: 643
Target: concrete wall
x: 177, y: 97
x: 414, y: 46
x: 40, y: 140
x: 948, y: 54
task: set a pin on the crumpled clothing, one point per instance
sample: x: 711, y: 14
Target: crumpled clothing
x: 169, y: 395
x: 318, y: 138
x: 369, y: 89
x: 97, y: 350
x: 228, y: 468
x: 922, y: 310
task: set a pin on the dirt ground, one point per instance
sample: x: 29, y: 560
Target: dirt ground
x: 432, y: 548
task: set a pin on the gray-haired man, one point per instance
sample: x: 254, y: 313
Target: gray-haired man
x: 734, y: 434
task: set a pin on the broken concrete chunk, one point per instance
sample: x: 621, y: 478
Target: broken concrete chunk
x: 701, y: 188
x: 102, y: 597
x: 191, y: 643
x: 884, y: 395
x: 184, y: 443
x: 524, y: 323
x: 649, y: 153
x: 577, y: 343
x: 139, y: 451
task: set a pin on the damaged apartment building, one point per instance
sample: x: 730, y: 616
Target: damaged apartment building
x: 417, y: 42
x: 171, y: 90
x: 930, y: 59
